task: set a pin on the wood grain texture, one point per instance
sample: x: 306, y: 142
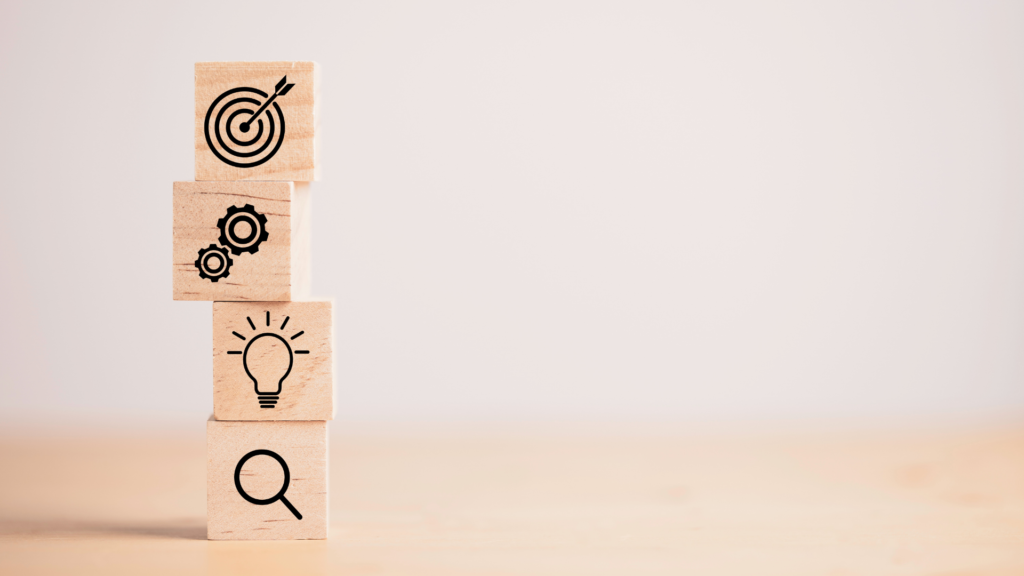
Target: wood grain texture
x: 266, y: 275
x: 302, y: 219
x: 538, y: 501
x: 302, y: 445
x: 297, y: 158
x: 291, y: 339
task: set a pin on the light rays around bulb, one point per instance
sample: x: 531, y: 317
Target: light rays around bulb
x: 283, y: 324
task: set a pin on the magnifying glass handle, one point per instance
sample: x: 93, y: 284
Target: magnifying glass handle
x: 290, y: 507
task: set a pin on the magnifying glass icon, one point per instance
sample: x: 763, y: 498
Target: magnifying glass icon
x: 280, y: 493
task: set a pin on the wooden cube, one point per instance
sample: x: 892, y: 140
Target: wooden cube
x: 273, y: 361
x: 266, y: 480
x: 241, y: 241
x: 257, y: 121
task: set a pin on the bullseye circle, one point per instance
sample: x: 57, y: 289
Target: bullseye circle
x: 244, y: 128
x: 230, y: 127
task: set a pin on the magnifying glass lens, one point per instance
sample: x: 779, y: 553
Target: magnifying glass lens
x: 241, y: 470
x: 262, y: 477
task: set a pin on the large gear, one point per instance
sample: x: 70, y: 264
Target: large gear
x: 213, y: 263
x: 257, y: 229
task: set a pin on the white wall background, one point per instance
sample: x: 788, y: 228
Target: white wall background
x: 550, y: 209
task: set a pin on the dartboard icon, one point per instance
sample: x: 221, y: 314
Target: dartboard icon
x: 245, y: 127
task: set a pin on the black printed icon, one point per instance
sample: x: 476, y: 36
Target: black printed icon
x: 242, y: 230
x: 232, y: 116
x: 253, y: 229
x: 275, y: 497
x: 267, y: 359
x: 213, y: 263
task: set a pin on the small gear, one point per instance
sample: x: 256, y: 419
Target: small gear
x: 257, y: 233
x: 213, y: 263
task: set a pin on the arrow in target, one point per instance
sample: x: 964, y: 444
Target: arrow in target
x: 281, y: 89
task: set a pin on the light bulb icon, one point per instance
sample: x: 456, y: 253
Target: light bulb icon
x: 268, y: 359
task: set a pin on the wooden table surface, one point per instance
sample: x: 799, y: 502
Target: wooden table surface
x: 535, y: 502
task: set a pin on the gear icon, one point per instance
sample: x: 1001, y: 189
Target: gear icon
x: 253, y: 233
x: 213, y: 263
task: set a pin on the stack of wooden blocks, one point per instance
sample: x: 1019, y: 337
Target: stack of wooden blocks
x: 241, y: 240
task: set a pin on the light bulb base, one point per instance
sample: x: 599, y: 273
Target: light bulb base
x: 268, y: 400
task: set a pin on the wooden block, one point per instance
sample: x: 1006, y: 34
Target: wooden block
x: 280, y: 465
x: 257, y: 121
x: 273, y: 361
x: 302, y: 216
x: 239, y: 241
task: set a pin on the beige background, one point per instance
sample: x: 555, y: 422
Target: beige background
x: 552, y: 209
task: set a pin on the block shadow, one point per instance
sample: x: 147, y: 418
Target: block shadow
x: 180, y: 529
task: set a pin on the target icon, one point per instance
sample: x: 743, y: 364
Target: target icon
x: 244, y: 127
